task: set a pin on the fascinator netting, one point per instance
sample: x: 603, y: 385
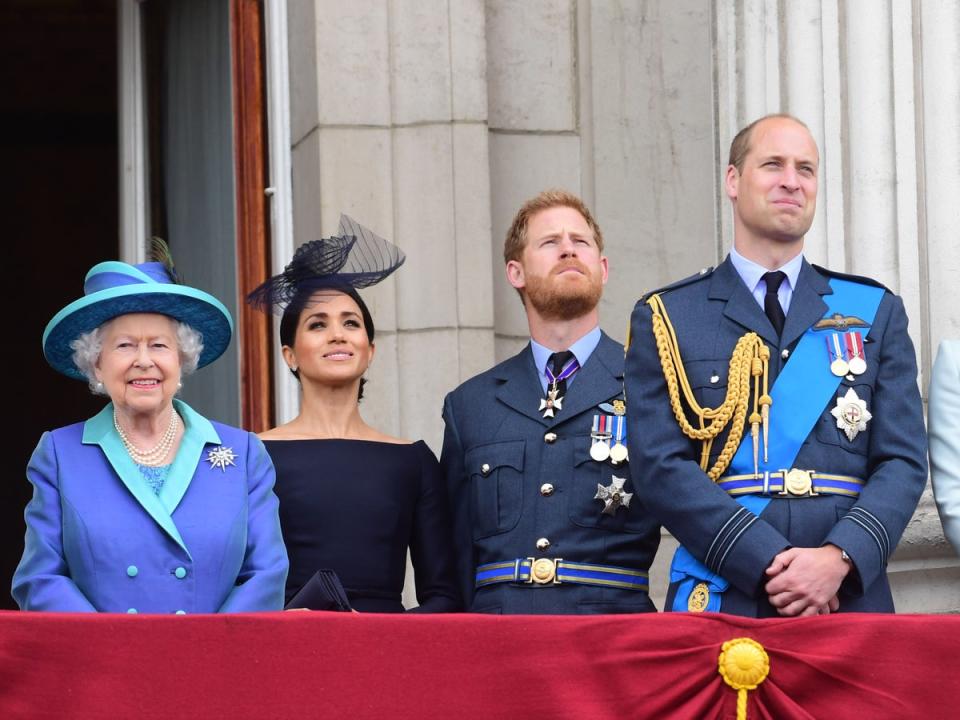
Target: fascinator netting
x: 354, y: 258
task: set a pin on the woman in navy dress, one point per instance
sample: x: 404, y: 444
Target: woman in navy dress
x: 352, y: 499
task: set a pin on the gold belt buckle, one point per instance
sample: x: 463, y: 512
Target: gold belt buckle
x: 798, y: 483
x: 543, y: 571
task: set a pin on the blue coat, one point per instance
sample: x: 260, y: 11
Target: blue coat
x: 710, y: 313
x: 492, y: 420
x: 99, y: 539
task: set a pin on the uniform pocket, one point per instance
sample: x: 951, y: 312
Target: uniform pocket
x: 708, y: 380
x: 827, y: 430
x: 496, y: 486
x: 585, y: 510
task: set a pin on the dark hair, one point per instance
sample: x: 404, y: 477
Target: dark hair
x: 291, y: 319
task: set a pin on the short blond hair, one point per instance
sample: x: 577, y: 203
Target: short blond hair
x: 517, y: 234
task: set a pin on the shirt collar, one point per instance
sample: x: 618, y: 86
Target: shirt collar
x: 751, y: 273
x: 582, y: 349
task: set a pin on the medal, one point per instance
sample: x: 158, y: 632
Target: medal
x: 554, y: 401
x: 618, y: 453
x: 838, y: 362
x: 550, y: 403
x: 858, y: 359
x: 619, y: 407
x: 699, y: 598
x: 600, y: 436
x: 851, y: 414
x: 613, y: 496
x: 600, y: 450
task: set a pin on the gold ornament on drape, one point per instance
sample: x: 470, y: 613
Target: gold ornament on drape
x: 743, y: 665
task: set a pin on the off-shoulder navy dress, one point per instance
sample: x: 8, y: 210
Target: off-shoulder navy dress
x: 355, y: 506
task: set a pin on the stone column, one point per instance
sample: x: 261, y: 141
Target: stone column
x: 534, y: 139
x: 939, y: 59
x: 877, y: 82
x: 389, y: 126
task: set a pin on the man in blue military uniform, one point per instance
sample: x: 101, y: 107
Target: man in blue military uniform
x: 782, y: 440
x: 546, y: 518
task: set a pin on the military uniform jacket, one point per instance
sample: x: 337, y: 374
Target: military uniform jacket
x: 99, y: 539
x: 710, y: 314
x: 498, y: 453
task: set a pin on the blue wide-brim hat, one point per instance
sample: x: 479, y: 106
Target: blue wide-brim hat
x: 115, y: 288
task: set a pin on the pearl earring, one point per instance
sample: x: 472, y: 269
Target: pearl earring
x: 98, y: 387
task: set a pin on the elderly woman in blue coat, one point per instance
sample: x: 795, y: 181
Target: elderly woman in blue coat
x: 147, y: 506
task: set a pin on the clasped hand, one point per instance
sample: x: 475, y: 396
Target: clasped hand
x: 805, y: 581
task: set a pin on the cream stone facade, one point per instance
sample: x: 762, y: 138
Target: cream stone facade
x: 431, y: 121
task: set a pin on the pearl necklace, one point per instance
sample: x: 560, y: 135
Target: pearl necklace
x: 155, y: 455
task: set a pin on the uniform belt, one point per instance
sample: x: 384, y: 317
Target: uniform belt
x: 550, y: 571
x: 791, y: 484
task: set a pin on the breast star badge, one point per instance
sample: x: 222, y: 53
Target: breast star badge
x: 851, y: 414
x: 220, y: 457
x: 613, y: 496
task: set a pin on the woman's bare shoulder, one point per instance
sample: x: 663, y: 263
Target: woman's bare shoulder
x: 281, y: 432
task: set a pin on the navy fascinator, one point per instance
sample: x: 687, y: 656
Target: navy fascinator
x: 355, y: 258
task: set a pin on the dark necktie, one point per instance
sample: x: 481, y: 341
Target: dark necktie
x: 771, y: 303
x: 556, y: 362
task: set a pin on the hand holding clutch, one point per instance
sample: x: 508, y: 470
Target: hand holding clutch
x: 323, y: 591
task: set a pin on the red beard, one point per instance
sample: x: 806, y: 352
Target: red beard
x: 555, y: 298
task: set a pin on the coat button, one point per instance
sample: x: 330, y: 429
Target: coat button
x: 485, y: 469
x: 550, y: 438
x: 785, y: 353
x: 180, y: 573
x: 543, y: 544
x: 546, y: 489
x: 180, y: 612
x: 132, y: 571
x: 132, y: 611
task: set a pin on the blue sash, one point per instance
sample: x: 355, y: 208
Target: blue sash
x: 805, y: 387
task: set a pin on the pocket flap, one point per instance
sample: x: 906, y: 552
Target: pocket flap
x: 485, y: 459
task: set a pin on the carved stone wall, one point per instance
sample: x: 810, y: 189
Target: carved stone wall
x: 432, y: 121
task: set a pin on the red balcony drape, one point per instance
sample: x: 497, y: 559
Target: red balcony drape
x: 301, y: 664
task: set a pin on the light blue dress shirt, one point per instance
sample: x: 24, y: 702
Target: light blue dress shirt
x: 581, y: 349
x: 752, y: 274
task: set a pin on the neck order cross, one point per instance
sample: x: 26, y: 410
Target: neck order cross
x: 560, y: 367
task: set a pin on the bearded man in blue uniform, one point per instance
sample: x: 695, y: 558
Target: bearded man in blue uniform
x: 546, y: 518
x: 782, y: 438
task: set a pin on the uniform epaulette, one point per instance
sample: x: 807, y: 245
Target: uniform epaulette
x: 704, y: 273
x: 851, y: 278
